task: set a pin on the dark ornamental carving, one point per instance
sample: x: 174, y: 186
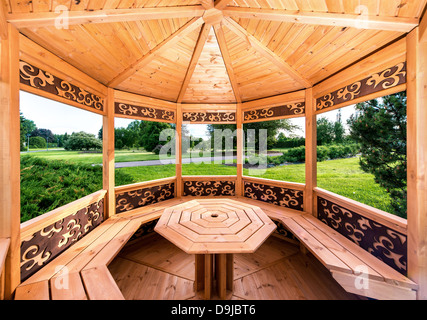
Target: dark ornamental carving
x: 209, y: 188
x: 280, y: 196
x: 383, y: 80
x: 45, y: 245
x: 143, y: 230
x: 144, y: 112
x: 45, y: 81
x: 274, y: 112
x: 384, y: 243
x: 282, y: 231
x: 129, y: 200
x: 209, y: 117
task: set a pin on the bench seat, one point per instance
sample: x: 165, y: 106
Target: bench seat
x: 81, y: 272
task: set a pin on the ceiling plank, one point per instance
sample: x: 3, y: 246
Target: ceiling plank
x: 190, y: 26
x: 45, y: 19
x: 398, y: 24
x: 423, y: 28
x: 265, y: 52
x: 221, y: 4
x: 194, y: 59
x: 219, y: 32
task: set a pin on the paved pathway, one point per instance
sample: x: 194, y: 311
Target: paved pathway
x: 172, y: 161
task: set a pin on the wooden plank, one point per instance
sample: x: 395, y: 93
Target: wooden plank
x: 374, y: 289
x: 221, y: 4
x: 240, y: 150
x: 207, y: 4
x: 34, y: 291
x: 67, y: 287
x: 417, y: 155
x: 10, y: 156
x: 112, y: 248
x: 4, y: 248
x: 265, y: 52
x: 423, y: 29
x: 45, y: 19
x: 399, y: 24
x: 328, y: 259
x: 190, y: 26
x: 178, y: 152
x: 100, y: 284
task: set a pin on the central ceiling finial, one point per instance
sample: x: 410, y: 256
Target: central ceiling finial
x: 213, y: 16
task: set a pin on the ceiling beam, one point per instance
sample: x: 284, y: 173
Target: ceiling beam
x: 397, y: 24
x: 219, y: 32
x: 173, y: 39
x: 203, y: 37
x: 45, y: 19
x: 265, y: 52
x: 221, y: 4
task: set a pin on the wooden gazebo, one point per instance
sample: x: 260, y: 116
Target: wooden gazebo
x: 206, y: 61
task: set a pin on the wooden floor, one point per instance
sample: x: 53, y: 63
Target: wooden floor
x: 153, y: 268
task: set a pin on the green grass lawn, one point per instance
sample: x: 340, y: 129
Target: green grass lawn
x: 47, y: 183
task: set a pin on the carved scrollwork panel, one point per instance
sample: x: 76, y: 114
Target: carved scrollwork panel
x: 280, y: 196
x: 207, y: 117
x: 384, y: 243
x: 149, y: 113
x: 274, y: 112
x: 209, y: 188
x: 144, y: 196
x: 45, y: 81
x: 377, y: 82
x: 48, y: 243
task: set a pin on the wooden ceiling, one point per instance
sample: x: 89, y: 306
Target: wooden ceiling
x: 201, y: 51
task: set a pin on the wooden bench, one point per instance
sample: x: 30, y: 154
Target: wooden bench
x: 81, y: 272
x: 355, y: 269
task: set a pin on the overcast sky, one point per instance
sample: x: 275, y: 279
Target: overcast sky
x: 62, y: 118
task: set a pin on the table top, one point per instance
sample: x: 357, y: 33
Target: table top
x: 208, y: 226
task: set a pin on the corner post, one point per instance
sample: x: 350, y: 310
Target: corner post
x: 108, y: 155
x: 178, y: 151
x: 240, y: 151
x: 416, y: 159
x: 310, y: 153
x: 10, y: 202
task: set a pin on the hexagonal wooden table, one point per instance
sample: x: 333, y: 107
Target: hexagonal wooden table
x: 213, y: 230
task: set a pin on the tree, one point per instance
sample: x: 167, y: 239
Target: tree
x: 380, y: 129
x: 150, y: 136
x: 325, y: 131
x: 273, y: 128
x: 45, y: 133
x: 82, y: 141
x: 27, y: 126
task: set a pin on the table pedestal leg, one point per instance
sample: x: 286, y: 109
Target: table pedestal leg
x: 208, y: 266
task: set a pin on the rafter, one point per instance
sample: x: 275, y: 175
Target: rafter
x: 194, y: 59
x: 219, y: 32
x: 397, y: 24
x: 173, y: 39
x: 265, y: 52
x: 207, y: 4
x: 44, y: 19
x: 221, y: 4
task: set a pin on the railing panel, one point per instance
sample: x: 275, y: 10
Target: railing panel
x: 47, y: 236
x: 380, y: 233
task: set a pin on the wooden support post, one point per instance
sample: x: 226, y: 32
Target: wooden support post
x: 108, y: 155
x: 10, y: 157
x: 240, y: 151
x: 178, y: 151
x: 417, y: 158
x: 310, y: 153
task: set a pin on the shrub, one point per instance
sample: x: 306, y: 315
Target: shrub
x: 323, y: 152
x: 37, y: 142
